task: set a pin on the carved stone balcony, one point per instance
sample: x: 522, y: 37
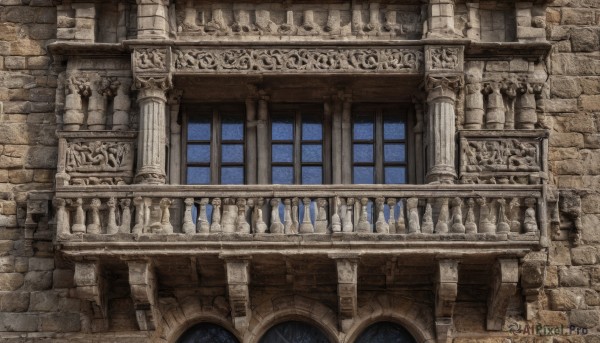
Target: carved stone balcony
x: 264, y: 219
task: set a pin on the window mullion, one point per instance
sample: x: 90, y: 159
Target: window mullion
x: 215, y: 165
x: 297, y: 147
x: 379, y: 146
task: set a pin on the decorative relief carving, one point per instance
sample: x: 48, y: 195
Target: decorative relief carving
x: 501, y: 155
x: 444, y: 58
x: 99, y: 156
x: 153, y: 82
x: 150, y: 60
x: 298, y: 60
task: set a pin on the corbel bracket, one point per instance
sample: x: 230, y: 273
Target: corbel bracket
x: 347, y: 274
x: 504, y: 286
x: 91, y: 286
x: 446, y: 290
x: 142, y: 281
x: 237, y: 268
x: 532, y: 281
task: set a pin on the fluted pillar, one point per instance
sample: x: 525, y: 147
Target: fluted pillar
x: 441, y: 117
x: 151, y: 138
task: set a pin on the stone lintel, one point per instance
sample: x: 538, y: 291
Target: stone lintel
x: 504, y: 285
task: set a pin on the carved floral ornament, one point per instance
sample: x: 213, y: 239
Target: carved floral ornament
x: 309, y: 60
x: 151, y: 59
x: 444, y: 58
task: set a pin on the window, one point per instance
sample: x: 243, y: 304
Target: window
x: 378, y: 145
x: 215, y: 151
x: 297, y: 144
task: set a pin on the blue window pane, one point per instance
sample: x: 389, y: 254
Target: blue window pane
x: 232, y: 153
x: 199, y: 129
x: 232, y: 175
x: 198, y: 153
x: 394, y: 153
x: 283, y: 175
x: 312, y: 130
x: 312, y: 175
x: 363, y: 128
x: 364, y: 175
x: 393, y: 129
x: 395, y: 175
x: 198, y: 175
x: 363, y: 153
x: 232, y: 129
x: 282, y: 129
x: 282, y: 153
x: 312, y: 153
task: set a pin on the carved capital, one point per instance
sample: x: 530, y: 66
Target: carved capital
x: 153, y: 86
x: 440, y: 87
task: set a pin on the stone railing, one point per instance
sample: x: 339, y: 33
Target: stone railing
x: 505, y: 212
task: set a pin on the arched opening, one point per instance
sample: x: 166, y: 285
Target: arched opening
x: 294, y: 332
x: 385, y: 332
x: 207, y: 333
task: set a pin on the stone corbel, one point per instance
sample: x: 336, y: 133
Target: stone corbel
x: 347, y: 274
x: 446, y: 290
x: 142, y: 281
x: 504, y: 285
x: 36, y: 217
x: 237, y: 268
x: 532, y: 281
x: 91, y: 286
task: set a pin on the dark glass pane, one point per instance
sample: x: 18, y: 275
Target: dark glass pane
x: 232, y: 153
x: 198, y: 153
x: 294, y: 332
x: 363, y: 128
x: 232, y: 129
x: 394, y: 152
x: 364, y: 175
x: 312, y: 153
x: 232, y: 175
x: 282, y: 153
x: 395, y: 175
x: 198, y: 175
x: 363, y: 153
x: 312, y: 175
x: 385, y: 332
x: 393, y: 129
x: 312, y: 130
x: 199, y: 128
x: 207, y: 333
x: 283, y: 175
x: 282, y: 128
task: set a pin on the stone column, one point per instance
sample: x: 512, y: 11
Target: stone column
x: 262, y: 141
x: 175, y: 139
x: 336, y: 141
x: 346, y: 140
x: 441, y: 131
x: 151, y: 138
x: 250, y: 141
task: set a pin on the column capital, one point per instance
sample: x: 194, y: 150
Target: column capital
x: 153, y: 86
x: 443, y: 86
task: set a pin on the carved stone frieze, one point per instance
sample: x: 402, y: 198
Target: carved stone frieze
x: 151, y: 60
x: 309, y: 60
x: 444, y: 58
x: 97, y: 156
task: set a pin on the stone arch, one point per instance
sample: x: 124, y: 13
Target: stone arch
x: 417, y: 319
x: 287, y: 308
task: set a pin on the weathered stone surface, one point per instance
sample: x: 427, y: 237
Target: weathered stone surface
x: 565, y: 87
x: 7, y: 264
x: 579, y: 16
x: 11, y: 281
x: 585, y: 39
x: 36, y: 263
x: 62, y: 278
x: 563, y: 299
x: 61, y: 322
x: 584, y: 255
x: 21, y: 322
x: 590, y: 102
x: 38, y: 280
x: 585, y: 318
x: 14, y: 301
x: 566, y: 140
x: 44, y: 301
x: 573, y: 277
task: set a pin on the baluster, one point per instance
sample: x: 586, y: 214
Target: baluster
x: 363, y: 220
x: 229, y: 215
x: 295, y: 217
x: 276, y: 226
x: 321, y: 222
x: 306, y: 226
x: 151, y: 212
x: 188, y: 222
x: 470, y: 226
x: 427, y: 226
x: 412, y: 205
x: 503, y: 226
x: 94, y: 226
x: 442, y: 224
x: 513, y: 209
x: 392, y: 222
x: 530, y: 223
x: 485, y: 225
x: 287, y: 215
x: 139, y: 215
x: 457, y: 225
x: 202, y: 224
x: 381, y: 226
x: 242, y: 224
x: 216, y: 216
x: 165, y: 215
x: 336, y: 222
x: 348, y: 226
x: 261, y: 226
x: 79, y: 220
x: 401, y: 223
x: 125, y: 216
x: 62, y: 218
x: 111, y: 227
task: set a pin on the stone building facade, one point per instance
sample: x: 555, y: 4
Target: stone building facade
x: 473, y: 216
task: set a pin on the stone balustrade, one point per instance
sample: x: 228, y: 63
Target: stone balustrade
x: 423, y: 211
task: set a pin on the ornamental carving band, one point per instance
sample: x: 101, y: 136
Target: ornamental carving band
x: 298, y: 60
